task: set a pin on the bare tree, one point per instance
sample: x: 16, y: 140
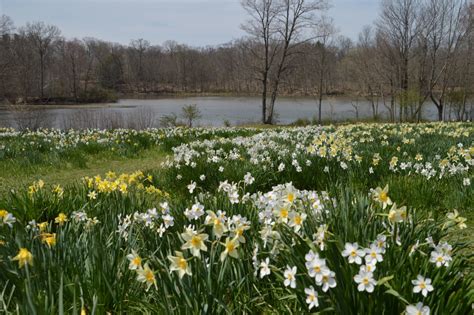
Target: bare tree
x: 324, y: 32
x: 399, y: 25
x: 6, y: 25
x: 42, y: 37
x: 261, y: 27
x: 450, y: 28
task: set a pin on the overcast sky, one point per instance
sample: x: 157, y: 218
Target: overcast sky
x: 193, y: 22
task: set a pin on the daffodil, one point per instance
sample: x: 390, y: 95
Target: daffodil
x: 24, y: 257
x: 194, y: 242
x: 7, y: 218
x: 290, y: 277
x: 230, y: 248
x: 418, y: 309
x: 135, y: 261
x: 311, y: 297
x: 61, y: 219
x: 381, y: 196
x: 397, y: 215
x: 365, y: 281
x: 353, y: 253
x: 49, y: 239
x: 217, y: 222
x: 179, y: 264
x: 43, y: 226
x: 147, y: 276
x: 422, y: 284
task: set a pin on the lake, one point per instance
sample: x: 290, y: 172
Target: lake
x: 215, y: 111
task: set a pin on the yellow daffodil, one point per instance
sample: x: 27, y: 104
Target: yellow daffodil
x: 61, y: 219
x: 24, y: 257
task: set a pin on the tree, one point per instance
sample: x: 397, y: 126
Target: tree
x: 261, y: 28
x: 324, y: 32
x: 399, y: 25
x: 190, y: 113
x: 277, y: 28
x: 42, y: 37
x: 451, y: 24
x: 6, y: 25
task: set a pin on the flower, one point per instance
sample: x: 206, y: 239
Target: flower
x: 191, y: 187
x: 381, y: 242
x: 61, y: 219
x: 7, y: 218
x: 296, y: 220
x: 311, y: 297
x: 217, y: 221
x: 196, y: 211
x: 373, y: 254
x: 353, y: 253
x: 381, y: 196
x: 365, y: 280
x: 48, y: 238
x: 397, y: 214
x: 317, y: 269
x: 440, y: 258
x: 423, y: 285
x: 230, y: 248
x: 327, y: 280
x: 290, y: 277
x: 264, y: 268
x: 168, y: 220
x: 194, y: 242
x: 418, y: 309
x: 146, y: 275
x: 248, y: 179
x: 455, y: 219
x: 43, y: 226
x: 24, y: 257
x: 135, y: 261
x: 92, y: 195
x: 179, y: 264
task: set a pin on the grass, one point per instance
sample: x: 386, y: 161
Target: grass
x: 68, y: 174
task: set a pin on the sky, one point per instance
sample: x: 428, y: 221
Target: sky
x: 192, y: 22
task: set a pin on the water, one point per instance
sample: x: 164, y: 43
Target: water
x: 215, y: 111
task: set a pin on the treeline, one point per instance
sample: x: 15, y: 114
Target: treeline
x: 417, y: 52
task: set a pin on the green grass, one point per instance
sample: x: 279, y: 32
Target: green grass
x: 67, y: 174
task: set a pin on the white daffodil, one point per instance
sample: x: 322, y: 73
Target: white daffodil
x: 353, y: 253
x: 147, y: 276
x: 135, y: 261
x: 365, y: 281
x: 179, y: 264
x: 311, y: 297
x: 290, y: 277
x: 264, y: 268
x: 327, y: 281
x: 230, y: 248
x: 418, y: 309
x: 317, y: 269
x: 373, y: 254
x: 423, y: 285
x: 194, y: 242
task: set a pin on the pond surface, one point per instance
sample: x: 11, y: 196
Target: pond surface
x: 215, y: 111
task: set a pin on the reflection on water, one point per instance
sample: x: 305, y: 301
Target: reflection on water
x: 136, y: 113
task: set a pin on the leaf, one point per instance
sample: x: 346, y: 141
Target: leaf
x: 384, y: 280
x: 396, y: 294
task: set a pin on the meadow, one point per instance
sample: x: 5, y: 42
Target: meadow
x: 347, y: 219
